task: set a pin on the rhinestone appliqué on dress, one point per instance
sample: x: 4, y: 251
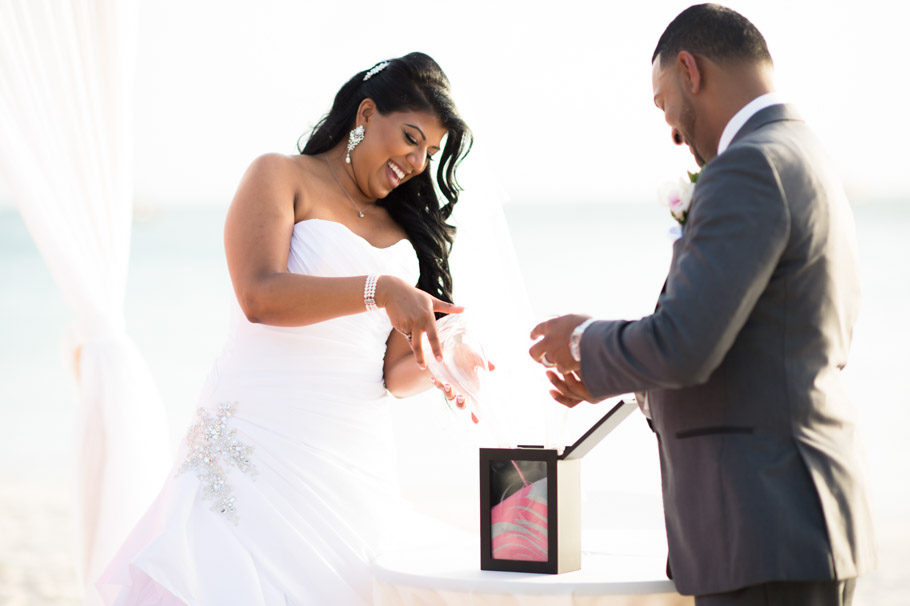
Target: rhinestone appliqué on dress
x: 212, y: 447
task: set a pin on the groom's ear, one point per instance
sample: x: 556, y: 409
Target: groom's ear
x: 689, y: 72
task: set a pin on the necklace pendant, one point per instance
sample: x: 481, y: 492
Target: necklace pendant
x: 360, y: 213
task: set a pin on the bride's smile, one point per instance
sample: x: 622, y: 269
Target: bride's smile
x: 396, y: 147
x: 397, y: 174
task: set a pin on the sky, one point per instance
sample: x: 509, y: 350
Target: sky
x: 558, y: 94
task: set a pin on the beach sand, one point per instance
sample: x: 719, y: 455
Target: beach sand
x: 37, y: 567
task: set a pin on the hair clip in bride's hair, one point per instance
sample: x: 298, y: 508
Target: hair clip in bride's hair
x: 378, y: 68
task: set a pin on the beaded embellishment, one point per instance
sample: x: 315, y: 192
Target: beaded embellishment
x: 375, y: 70
x: 212, y: 448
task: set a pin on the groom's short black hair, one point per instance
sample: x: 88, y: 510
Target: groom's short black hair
x: 713, y: 31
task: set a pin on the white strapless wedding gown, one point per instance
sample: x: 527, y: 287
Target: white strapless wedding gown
x: 280, y: 491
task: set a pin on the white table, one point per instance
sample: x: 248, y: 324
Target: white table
x: 617, y: 568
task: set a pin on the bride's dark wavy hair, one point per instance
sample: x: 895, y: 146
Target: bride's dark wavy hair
x: 414, y: 82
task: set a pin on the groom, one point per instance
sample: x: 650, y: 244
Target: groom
x: 741, y: 360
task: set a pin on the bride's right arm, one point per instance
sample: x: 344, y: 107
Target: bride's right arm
x: 257, y: 235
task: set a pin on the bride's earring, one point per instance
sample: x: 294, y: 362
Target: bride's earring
x: 354, y: 139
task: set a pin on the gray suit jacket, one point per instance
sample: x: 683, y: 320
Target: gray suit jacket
x: 742, y: 363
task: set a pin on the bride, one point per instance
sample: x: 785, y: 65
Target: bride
x: 281, y: 488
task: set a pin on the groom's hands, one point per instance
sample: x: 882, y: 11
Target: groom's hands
x: 569, y: 389
x: 552, y: 350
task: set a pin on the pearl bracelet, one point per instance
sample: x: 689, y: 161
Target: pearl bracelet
x: 369, y: 292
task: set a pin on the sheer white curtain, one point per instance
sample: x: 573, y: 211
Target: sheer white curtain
x: 65, y: 151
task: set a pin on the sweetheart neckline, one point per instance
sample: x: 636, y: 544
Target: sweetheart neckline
x: 350, y: 231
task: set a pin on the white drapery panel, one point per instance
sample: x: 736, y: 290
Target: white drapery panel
x: 66, y: 71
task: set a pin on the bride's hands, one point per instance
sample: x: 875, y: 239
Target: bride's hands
x: 452, y: 395
x: 449, y: 392
x: 412, y: 313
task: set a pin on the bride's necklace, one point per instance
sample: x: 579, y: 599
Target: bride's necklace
x: 359, y: 210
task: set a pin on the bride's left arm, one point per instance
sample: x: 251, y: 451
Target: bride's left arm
x: 403, y: 377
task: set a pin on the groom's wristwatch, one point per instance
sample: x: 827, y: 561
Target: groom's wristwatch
x: 575, y: 339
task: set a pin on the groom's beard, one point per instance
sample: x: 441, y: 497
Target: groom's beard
x: 687, y: 128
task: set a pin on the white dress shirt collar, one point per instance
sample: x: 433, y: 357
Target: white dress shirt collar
x: 742, y: 116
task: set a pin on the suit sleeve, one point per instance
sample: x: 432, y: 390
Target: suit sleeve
x: 736, y: 232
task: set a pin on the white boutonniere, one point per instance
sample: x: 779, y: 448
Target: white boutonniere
x: 677, y: 196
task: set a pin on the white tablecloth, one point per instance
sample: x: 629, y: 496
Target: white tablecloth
x: 617, y: 568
